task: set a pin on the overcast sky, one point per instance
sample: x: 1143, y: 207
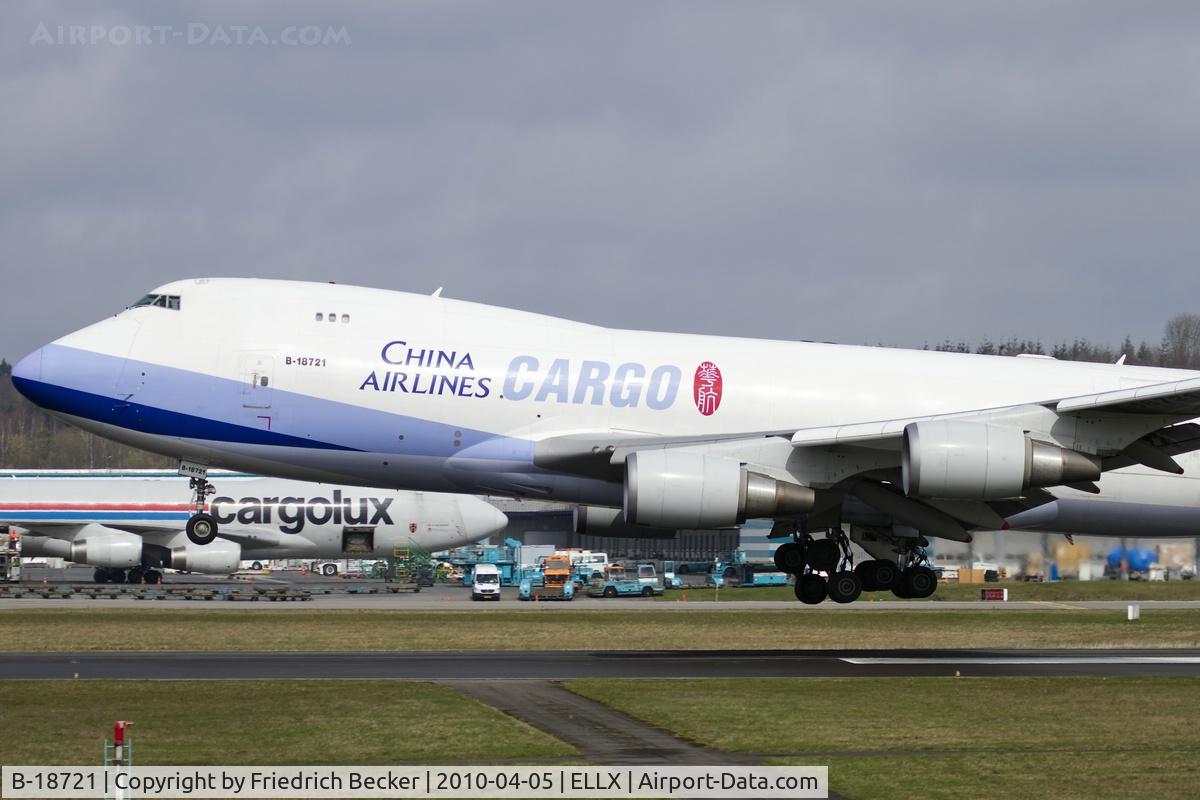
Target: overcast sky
x: 853, y: 172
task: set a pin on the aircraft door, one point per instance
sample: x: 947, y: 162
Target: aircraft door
x: 130, y: 378
x: 257, y: 374
x: 358, y: 540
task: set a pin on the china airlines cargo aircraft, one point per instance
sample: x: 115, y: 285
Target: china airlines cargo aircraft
x: 647, y: 432
x: 130, y: 525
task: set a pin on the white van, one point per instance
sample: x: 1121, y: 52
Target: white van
x: 485, y: 583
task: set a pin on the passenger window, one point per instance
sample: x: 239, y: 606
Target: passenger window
x: 345, y: 317
x: 263, y: 381
x: 332, y: 317
x: 320, y: 316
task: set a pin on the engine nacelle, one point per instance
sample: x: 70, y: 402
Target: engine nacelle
x: 107, y: 547
x: 670, y: 488
x: 977, y: 461
x: 601, y: 521
x: 33, y: 545
x: 219, y: 557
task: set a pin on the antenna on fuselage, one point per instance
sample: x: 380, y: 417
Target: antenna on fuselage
x: 438, y: 292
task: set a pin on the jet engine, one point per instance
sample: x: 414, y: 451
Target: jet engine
x: 107, y: 547
x: 670, y: 488
x: 976, y: 461
x: 219, y: 557
x: 601, y: 521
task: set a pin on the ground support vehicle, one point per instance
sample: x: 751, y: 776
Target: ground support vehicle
x: 552, y: 580
x: 615, y: 583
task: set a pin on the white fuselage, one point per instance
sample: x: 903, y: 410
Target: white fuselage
x: 383, y: 388
x: 268, y: 518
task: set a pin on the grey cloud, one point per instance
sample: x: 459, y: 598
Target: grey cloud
x: 857, y: 172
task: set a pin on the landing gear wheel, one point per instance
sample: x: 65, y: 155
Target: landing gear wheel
x: 866, y: 573
x: 887, y: 575
x: 201, y: 528
x: 823, y: 555
x: 810, y: 589
x: 844, y: 587
x: 153, y: 576
x: 789, y: 558
x: 135, y: 575
x: 920, y: 582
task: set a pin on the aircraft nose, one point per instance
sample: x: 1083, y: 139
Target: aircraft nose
x: 27, y: 369
x: 481, y: 519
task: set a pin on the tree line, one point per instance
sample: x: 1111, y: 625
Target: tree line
x: 1179, y: 347
x: 30, y: 438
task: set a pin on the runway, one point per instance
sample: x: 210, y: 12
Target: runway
x: 477, y: 666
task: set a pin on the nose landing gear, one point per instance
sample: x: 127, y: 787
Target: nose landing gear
x: 201, y: 527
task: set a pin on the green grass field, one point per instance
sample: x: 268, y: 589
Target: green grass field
x: 557, y: 628
x: 262, y: 722
x: 1054, y: 592
x: 1085, y: 738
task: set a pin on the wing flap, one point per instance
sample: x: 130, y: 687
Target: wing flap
x: 1178, y: 398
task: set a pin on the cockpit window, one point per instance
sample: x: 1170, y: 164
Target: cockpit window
x: 170, y: 301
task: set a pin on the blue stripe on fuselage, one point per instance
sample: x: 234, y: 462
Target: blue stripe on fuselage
x: 148, y: 419
x: 180, y: 403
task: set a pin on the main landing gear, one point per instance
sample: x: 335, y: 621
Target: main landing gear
x: 136, y: 575
x: 825, y: 568
x: 201, y: 527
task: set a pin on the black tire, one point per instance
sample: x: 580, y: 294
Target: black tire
x: 865, y: 570
x: 844, y: 587
x: 789, y: 558
x: 823, y: 555
x: 256, y: 565
x: 610, y: 591
x: 920, y: 582
x: 154, y: 577
x: 887, y: 575
x: 201, y: 529
x: 647, y: 591
x: 100, y: 575
x: 811, y: 589
x: 329, y: 570
x: 135, y: 575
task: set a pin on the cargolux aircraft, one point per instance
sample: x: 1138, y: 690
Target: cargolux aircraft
x: 646, y: 431
x: 129, y: 525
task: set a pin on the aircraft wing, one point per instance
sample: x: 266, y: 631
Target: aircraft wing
x: 154, y: 532
x: 1179, y: 400
x: 68, y: 529
x: 1146, y: 425
x: 1105, y: 424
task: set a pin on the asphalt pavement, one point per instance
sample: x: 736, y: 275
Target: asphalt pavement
x: 558, y: 665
